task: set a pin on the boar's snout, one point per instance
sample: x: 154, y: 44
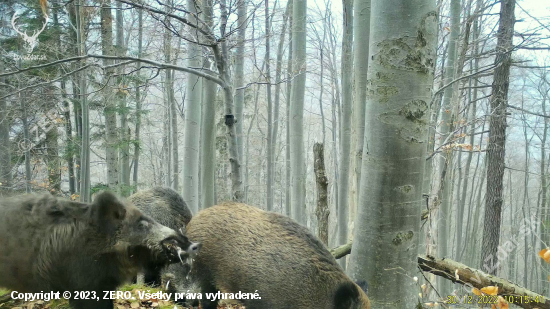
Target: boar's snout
x: 194, y: 249
x: 178, y: 247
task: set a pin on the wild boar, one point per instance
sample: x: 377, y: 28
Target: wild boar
x: 168, y: 208
x: 50, y: 244
x: 248, y: 250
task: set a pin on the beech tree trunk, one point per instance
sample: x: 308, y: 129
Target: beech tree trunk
x: 137, y: 145
x: 270, y: 141
x: 289, y: 70
x: 386, y: 226
x: 545, y: 213
x: 297, y: 156
x: 85, y: 185
x: 208, y: 129
x: 446, y: 160
x: 361, y: 33
x: 111, y: 136
x: 278, y: 82
x: 345, y: 125
x: 239, y: 76
x: 192, y: 124
x: 124, y: 132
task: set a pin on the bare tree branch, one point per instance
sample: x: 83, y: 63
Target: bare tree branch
x: 528, y: 112
x: 208, y: 33
x: 133, y: 59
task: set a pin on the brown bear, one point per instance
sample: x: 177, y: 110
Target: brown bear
x: 248, y: 250
x: 49, y: 244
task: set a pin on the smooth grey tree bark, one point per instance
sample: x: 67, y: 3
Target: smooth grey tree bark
x: 124, y: 150
x: 239, y: 76
x: 221, y: 54
x: 457, y: 95
x: 278, y: 80
x: 545, y: 213
x: 297, y: 156
x: 387, y: 228
x: 174, y: 134
x: 525, y: 203
x: 270, y: 141
x: 208, y: 129
x: 497, y: 137
x: 137, y: 145
x: 85, y: 184
x: 76, y: 145
x: 444, y: 188
x: 513, y: 230
x: 171, y: 120
x: 475, y: 64
x: 208, y: 144
x: 166, y: 161
x: 335, y: 107
x: 250, y: 125
x: 473, y: 248
x: 111, y: 136
x: 432, y: 132
x: 321, y: 42
x: 361, y: 32
x: 192, y: 123
x: 289, y: 70
x: 345, y: 125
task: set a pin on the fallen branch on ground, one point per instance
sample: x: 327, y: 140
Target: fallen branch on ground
x: 460, y: 273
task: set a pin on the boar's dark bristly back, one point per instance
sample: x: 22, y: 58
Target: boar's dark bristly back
x: 248, y: 250
x: 164, y: 205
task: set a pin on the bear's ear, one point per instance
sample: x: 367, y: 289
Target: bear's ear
x: 107, y: 212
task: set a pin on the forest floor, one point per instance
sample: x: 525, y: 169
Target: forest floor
x: 119, y: 303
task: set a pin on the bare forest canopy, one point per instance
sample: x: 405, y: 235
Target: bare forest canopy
x: 414, y: 127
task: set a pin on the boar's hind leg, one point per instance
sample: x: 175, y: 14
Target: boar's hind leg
x: 91, y: 303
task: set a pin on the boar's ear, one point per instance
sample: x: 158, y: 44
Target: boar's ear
x: 346, y: 296
x: 107, y: 212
